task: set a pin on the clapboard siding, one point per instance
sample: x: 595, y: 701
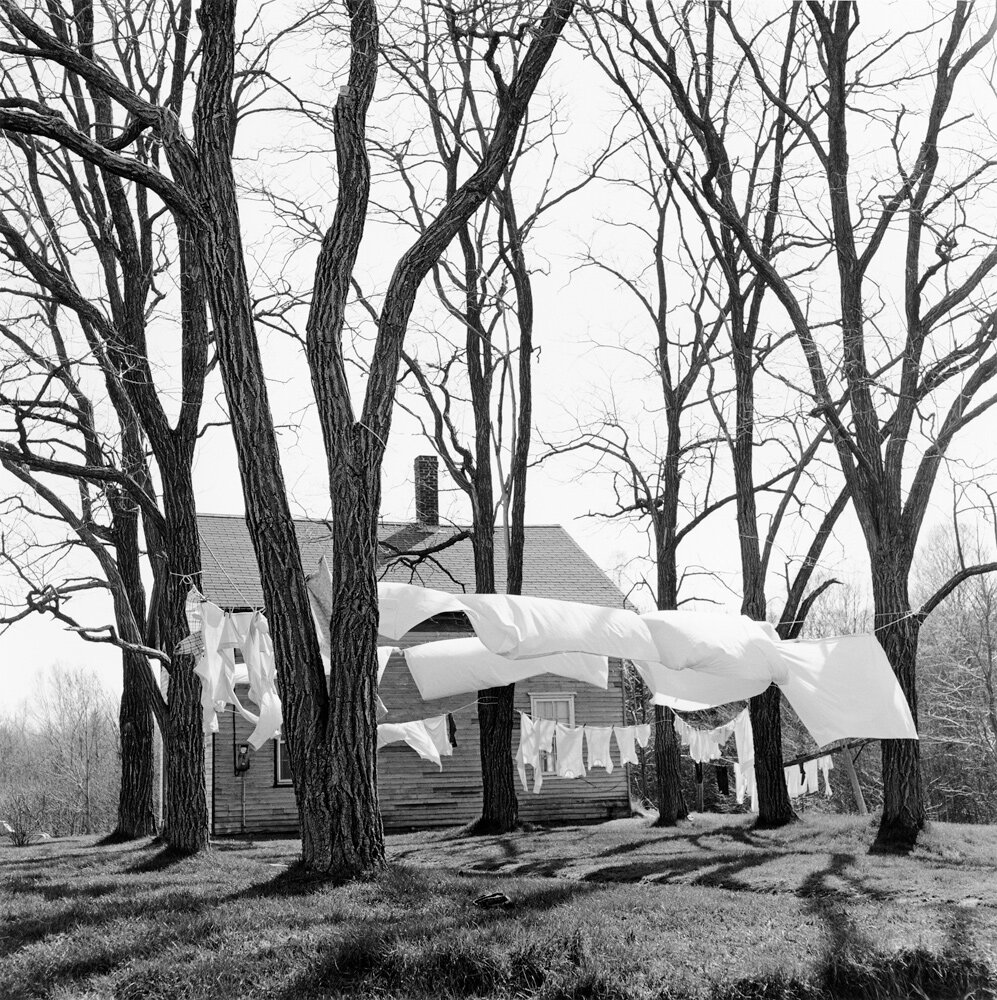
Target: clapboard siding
x: 413, y: 792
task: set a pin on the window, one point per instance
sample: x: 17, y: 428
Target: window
x: 281, y: 763
x: 557, y: 706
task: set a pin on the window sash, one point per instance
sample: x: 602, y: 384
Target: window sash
x: 559, y: 706
x: 282, y: 763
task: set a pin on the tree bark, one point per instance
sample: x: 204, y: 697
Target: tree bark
x: 136, y: 813
x: 499, y: 805
x: 342, y: 833
x: 898, y: 632
x: 300, y: 675
x: 667, y: 757
x: 774, y: 806
x: 185, y: 805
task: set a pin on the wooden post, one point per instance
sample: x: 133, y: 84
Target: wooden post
x: 854, y: 779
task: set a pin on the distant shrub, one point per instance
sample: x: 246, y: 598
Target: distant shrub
x: 23, y: 818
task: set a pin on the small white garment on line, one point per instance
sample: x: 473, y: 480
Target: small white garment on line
x: 448, y: 667
x: 825, y: 764
x: 597, y: 743
x: 536, y: 736
x: 704, y: 744
x: 810, y: 782
x: 415, y: 734
x: 569, y: 751
x: 795, y: 783
x: 439, y: 733
x: 744, y: 769
x: 625, y: 741
x: 222, y: 634
x: 642, y: 734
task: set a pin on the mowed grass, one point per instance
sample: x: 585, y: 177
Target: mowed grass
x: 713, y: 910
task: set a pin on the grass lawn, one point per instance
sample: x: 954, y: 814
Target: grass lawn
x: 713, y: 909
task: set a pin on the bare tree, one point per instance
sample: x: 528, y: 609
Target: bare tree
x: 82, y: 219
x: 877, y: 393
x: 330, y: 726
x: 701, y: 133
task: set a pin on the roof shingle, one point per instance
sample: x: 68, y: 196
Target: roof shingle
x: 554, y: 565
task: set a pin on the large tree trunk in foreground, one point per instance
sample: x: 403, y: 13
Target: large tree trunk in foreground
x: 667, y: 764
x: 300, y: 674
x: 774, y: 806
x: 903, y: 796
x: 341, y: 831
x: 499, y: 805
x: 136, y: 814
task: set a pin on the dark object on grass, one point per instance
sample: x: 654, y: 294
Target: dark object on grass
x: 492, y: 899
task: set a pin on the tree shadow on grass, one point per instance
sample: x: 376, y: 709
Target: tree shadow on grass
x: 410, y: 956
x: 852, y: 965
x: 52, y: 891
x: 162, y: 860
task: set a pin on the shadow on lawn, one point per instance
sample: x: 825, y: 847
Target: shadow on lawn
x: 36, y: 885
x: 413, y: 957
x: 853, y: 966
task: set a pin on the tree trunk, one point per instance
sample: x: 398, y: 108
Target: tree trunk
x: 136, y: 815
x: 341, y: 831
x: 898, y: 632
x: 300, y: 676
x: 774, y: 806
x: 185, y: 805
x: 667, y: 757
x: 499, y: 805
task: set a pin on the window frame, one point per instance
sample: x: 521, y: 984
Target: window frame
x: 278, y: 759
x: 548, y: 761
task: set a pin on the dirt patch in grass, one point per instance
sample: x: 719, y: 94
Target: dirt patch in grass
x: 713, y: 910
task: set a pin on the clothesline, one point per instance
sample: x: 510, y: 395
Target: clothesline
x: 540, y: 738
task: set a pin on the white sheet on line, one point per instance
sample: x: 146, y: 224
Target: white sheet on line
x: 403, y: 606
x: 844, y: 688
x: 461, y: 666
x: 523, y: 627
x: 692, y: 691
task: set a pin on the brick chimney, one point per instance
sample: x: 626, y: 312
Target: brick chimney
x: 427, y: 490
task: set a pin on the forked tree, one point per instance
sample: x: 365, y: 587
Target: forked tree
x: 330, y: 725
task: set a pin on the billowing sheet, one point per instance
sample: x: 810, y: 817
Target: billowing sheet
x: 522, y: 627
x: 403, y: 606
x: 461, y: 666
x: 844, y: 688
x: 716, y: 644
x: 692, y: 690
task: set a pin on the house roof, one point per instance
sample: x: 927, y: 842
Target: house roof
x: 554, y: 565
